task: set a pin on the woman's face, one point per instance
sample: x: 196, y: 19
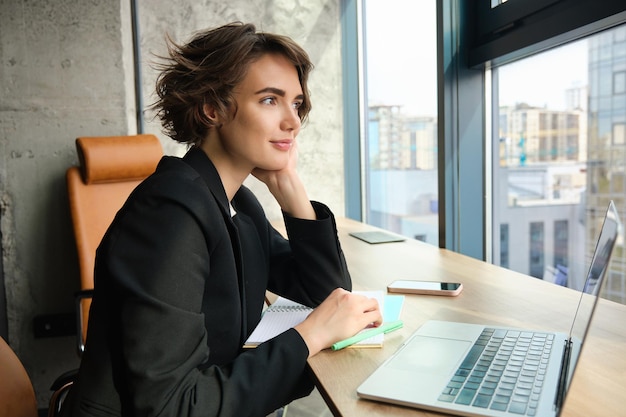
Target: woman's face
x: 262, y: 131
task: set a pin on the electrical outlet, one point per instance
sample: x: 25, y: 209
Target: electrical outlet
x: 54, y: 325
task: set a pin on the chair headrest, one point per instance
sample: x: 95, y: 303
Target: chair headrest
x: 118, y: 158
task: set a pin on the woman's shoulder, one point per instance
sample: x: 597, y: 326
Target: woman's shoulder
x: 174, y: 166
x: 175, y: 181
x: 172, y: 171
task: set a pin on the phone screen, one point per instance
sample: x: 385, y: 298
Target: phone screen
x: 426, y: 285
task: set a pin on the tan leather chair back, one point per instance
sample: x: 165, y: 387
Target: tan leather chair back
x: 110, y: 168
x: 17, y: 396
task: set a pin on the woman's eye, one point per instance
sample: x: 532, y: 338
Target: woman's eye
x: 297, y: 105
x: 268, y: 100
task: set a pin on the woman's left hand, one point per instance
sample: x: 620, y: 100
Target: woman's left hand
x: 287, y: 188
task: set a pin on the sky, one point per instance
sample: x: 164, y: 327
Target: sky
x: 401, y: 62
x: 401, y: 54
x: 541, y: 80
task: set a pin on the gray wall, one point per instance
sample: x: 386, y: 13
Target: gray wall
x: 66, y: 70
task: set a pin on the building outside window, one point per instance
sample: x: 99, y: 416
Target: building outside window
x: 504, y: 245
x: 561, y: 155
x: 561, y: 247
x: 536, y: 258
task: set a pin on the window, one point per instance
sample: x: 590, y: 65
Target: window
x: 619, y: 134
x: 561, y: 243
x: 530, y: 122
x: 400, y: 149
x: 560, y: 146
x: 504, y: 245
x: 619, y: 82
x: 536, y: 263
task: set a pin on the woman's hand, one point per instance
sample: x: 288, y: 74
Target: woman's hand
x: 287, y: 188
x: 341, y: 315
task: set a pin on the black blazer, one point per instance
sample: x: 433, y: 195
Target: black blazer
x: 179, y: 286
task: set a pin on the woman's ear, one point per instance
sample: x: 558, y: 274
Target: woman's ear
x: 211, y: 114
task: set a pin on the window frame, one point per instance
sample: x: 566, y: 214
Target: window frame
x: 521, y: 28
x: 354, y: 107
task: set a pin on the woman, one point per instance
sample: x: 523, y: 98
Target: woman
x: 182, y: 272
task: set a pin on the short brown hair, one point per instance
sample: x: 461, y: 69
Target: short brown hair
x: 206, y: 70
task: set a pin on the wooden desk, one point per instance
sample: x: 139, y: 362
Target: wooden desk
x: 491, y: 295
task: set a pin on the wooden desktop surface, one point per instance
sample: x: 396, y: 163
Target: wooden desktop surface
x: 491, y: 295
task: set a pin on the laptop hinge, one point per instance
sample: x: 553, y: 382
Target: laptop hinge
x: 565, y: 362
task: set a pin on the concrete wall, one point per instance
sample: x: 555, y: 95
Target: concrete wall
x: 66, y: 70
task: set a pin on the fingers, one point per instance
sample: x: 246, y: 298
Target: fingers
x: 358, y: 306
x: 341, y: 315
x: 371, y: 311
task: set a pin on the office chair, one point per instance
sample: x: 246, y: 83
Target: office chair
x: 110, y: 169
x: 17, y: 396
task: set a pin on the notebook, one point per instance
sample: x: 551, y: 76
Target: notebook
x: 284, y: 314
x: 480, y: 370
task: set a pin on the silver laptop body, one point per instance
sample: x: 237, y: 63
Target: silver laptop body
x: 457, y: 367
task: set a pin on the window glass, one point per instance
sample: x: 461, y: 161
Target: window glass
x: 400, y: 161
x: 536, y: 264
x: 504, y: 245
x: 559, y: 157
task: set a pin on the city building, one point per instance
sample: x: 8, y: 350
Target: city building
x: 606, y: 160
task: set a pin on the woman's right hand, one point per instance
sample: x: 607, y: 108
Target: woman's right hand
x: 341, y: 315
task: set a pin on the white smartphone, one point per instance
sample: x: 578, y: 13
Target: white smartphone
x: 426, y: 287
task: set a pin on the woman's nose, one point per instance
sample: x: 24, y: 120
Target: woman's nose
x: 291, y: 119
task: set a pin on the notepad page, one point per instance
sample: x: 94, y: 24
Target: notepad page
x: 284, y: 314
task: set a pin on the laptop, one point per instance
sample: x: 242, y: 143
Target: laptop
x: 481, y: 370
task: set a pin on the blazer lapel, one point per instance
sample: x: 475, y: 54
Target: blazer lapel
x: 199, y: 161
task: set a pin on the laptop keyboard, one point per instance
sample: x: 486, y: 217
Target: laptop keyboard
x: 504, y: 370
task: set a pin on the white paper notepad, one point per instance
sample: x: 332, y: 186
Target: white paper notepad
x: 284, y: 314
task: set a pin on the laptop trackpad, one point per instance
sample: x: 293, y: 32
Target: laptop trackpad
x: 431, y: 355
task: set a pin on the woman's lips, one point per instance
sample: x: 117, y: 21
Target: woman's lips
x: 283, y: 144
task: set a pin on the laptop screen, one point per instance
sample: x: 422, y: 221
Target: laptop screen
x: 588, y: 299
x: 596, y: 273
